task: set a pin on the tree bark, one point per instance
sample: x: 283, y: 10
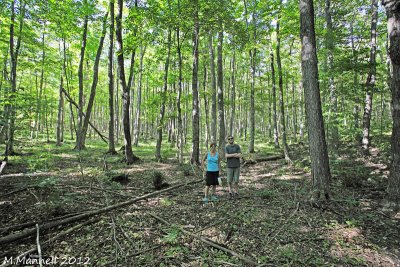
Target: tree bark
x: 221, y: 117
x: 213, y: 91
x: 393, y: 14
x: 178, y: 96
x: 370, y: 84
x: 332, y: 87
x: 195, y: 157
x: 137, y: 125
x: 129, y: 156
x: 274, y: 115
x: 163, y: 100
x: 14, y: 53
x: 281, y: 102
x: 111, y: 124
x: 59, y: 114
x: 94, y: 85
x: 233, y: 95
x: 316, y: 134
x: 79, y: 145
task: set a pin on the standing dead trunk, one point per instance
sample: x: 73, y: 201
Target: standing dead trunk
x: 370, y: 84
x: 316, y: 133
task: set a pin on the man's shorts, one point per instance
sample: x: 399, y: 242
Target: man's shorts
x: 233, y: 175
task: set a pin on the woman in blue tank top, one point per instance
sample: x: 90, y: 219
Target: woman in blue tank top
x: 212, y: 172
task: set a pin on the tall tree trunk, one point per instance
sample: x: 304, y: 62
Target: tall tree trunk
x: 60, y: 114
x: 111, y: 124
x: 178, y: 97
x: 356, y: 109
x: 94, y: 84
x: 206, y: 103
x: 221, y: 117
x: 163, y: 100
x: 14, y: 53
x: 281, y: 102
x: 195, y: 157
x: 393, y: 13
x: 252, y: 107
x: 233, y: 96
x: 316, y: 134
x: 274, y: 115
x: 213, y: 91
x: 129, y: 156
x: 332, y: 87
x: 79, y: 137
x: 136, y: 132
x: 370, y: 84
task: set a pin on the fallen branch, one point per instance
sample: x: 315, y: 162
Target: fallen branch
x: 31, y: 231
x: 283, y: 226
x: 51, y: 240
x: 209, y: 242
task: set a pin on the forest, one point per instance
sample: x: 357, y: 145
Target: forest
x: 109, y: 107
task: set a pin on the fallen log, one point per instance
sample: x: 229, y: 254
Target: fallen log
x: 210, y: 243
x: 255, y: 161
x: 31, y: 231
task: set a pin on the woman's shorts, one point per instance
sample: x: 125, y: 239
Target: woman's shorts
x: 212, y: 178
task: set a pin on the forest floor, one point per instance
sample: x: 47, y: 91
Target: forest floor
x: 271, y: 223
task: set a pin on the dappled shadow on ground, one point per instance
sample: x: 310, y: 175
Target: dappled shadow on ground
x: 271, y: 222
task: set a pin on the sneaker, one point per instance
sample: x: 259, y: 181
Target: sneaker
x: 214, y: 198
x: 230, y: 195
x: 236, y: 194
x: 205, y: 200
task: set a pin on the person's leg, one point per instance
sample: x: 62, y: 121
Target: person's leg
x: 229, y: 179
x: 236, y: 179
x: 206, y: 190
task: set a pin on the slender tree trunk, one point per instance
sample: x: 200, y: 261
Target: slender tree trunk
x: 213, y: 91
x: 356, y: 109
x: 79, y: 137
x: 178, y: 97
x: 221, y: 118
x: 60, y: 114
x: 316, y: 134
x: 136, y: 132
x: 233, y: 96
x: 370, y: 84
x: 281, y: 102
x: 14, y: 53
x: 206, y: 104
x: 129, y: 156
x: 111, y: 124
x: 94, y: 85
x: 393, y: 13
x: 163, y: 100
x: 195, y: 157
x: 252, y: 107
x: 332, y: 87
x: 274, y: 115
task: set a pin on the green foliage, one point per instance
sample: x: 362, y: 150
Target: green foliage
x: 172, y: 236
